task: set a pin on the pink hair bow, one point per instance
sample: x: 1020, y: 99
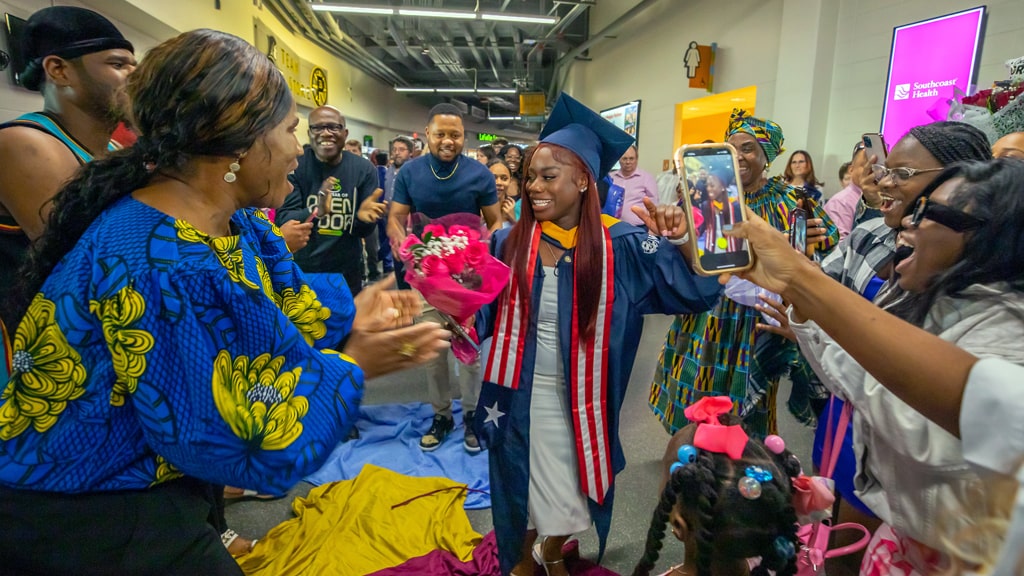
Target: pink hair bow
x: 710, y: 434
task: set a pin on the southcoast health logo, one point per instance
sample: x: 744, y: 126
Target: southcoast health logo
x: 928, y: 89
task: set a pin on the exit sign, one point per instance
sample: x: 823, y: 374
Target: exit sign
x: 484, y: 137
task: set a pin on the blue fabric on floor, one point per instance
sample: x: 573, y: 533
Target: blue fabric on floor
x: 389, y: 437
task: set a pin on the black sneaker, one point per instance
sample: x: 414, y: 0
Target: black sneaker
x: 439, y: 430
x: 469, y: 440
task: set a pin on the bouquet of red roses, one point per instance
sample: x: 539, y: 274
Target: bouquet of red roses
x: 448, y: 261
x: 997, y: 111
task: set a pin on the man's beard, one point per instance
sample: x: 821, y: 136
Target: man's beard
x: 106, y: 104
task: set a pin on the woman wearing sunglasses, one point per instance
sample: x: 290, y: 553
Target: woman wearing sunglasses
x: 962, y: 243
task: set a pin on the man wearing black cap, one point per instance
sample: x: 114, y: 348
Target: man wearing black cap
x: 437, y: 184
x: 79, y: 62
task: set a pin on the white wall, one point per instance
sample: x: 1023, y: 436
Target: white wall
x: 819, y: 65
x: 645, y: 60
x: 863, y: 44
x: 15, y: 101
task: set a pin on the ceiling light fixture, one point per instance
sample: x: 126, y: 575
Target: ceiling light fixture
x: 435, y: 13
x: 504, y: 118
x: 352, y: 9
x: 519, y: 18
x: 453, y: 90
x: 425, y: 13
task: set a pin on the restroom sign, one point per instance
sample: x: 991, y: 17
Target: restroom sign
x: 699, y: 63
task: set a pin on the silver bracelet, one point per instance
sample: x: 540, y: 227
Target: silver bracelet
x: 679, y: 241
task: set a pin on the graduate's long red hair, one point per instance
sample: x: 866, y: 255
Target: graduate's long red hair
x: 589, y: 236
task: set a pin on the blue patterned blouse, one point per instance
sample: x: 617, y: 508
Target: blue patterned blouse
x: 154, y: 350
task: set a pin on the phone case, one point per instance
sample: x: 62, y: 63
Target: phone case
x: 681, y: 169
x: 877, y: 147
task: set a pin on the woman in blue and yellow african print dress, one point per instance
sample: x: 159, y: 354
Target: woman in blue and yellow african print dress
x: 166, y: 335
x: 720, y: 352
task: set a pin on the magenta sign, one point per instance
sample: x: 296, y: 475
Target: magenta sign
x: 929, y: 59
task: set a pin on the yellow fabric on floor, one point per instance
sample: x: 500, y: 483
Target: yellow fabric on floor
x: 349, y: 527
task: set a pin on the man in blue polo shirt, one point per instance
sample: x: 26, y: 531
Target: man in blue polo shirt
x: 437, y: 184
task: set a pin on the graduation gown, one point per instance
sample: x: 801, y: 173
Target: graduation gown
x: 650, y: 276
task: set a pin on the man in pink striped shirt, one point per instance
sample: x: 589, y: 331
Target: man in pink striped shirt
x: 638, y: 184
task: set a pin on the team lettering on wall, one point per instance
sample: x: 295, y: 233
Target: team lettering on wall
x: 306, y: 81
x: 921, y: 89
x: 342, y: 216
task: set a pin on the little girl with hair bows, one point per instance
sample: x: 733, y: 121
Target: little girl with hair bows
x: 732, y: 500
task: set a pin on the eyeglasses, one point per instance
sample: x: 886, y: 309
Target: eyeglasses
x: 321, y: 128
x: 899, y: 175
x: 955, y: 220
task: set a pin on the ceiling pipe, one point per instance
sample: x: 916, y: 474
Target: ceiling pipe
x: 333, y: 41
x: 609, y: 30
x: 353, y: 52
x: 497, y: 53
x: 562, y: 24
x: 392, y: 31
x: 472, y: 45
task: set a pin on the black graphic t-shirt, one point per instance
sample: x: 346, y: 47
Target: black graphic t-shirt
x: 335, y: 244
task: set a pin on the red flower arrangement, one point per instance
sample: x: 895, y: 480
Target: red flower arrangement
x: 450, y: 264
x: 997, y: 111
x: 994, y: 99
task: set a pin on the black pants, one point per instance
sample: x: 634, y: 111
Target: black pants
x: 372, y: 252
x: 164, y: 530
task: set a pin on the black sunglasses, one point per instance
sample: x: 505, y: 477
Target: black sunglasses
x: 951, y: 218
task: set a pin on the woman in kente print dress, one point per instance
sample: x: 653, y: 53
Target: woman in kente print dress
x: 721, y: 352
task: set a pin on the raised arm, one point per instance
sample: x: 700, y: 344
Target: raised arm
x: 931, y: 372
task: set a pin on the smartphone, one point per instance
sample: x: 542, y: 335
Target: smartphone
x: 874, y: 144
x: 313, y: 214
x: 798, y: 230
x: 323, y: 203
x: 721, y: 208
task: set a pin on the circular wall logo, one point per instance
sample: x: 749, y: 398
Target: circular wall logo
x: 318, y: 84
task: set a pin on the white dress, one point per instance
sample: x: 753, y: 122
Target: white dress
x: 556, y: 505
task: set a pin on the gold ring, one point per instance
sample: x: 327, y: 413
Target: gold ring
x: 407, y: 350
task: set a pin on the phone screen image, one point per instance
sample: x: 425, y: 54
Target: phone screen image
x: 712, y: 169
x: 798, y: 230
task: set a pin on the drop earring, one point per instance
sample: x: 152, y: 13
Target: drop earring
x: 229, y: 176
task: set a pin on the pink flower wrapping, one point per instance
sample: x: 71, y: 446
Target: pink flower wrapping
x: 811, y: 495
x: 450, y: 264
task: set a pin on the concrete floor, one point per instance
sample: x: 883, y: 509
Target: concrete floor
x: 642, y: 436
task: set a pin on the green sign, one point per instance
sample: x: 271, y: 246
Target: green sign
x: 484, y: 137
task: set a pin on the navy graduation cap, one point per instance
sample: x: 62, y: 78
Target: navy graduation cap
x: 598, y: 142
